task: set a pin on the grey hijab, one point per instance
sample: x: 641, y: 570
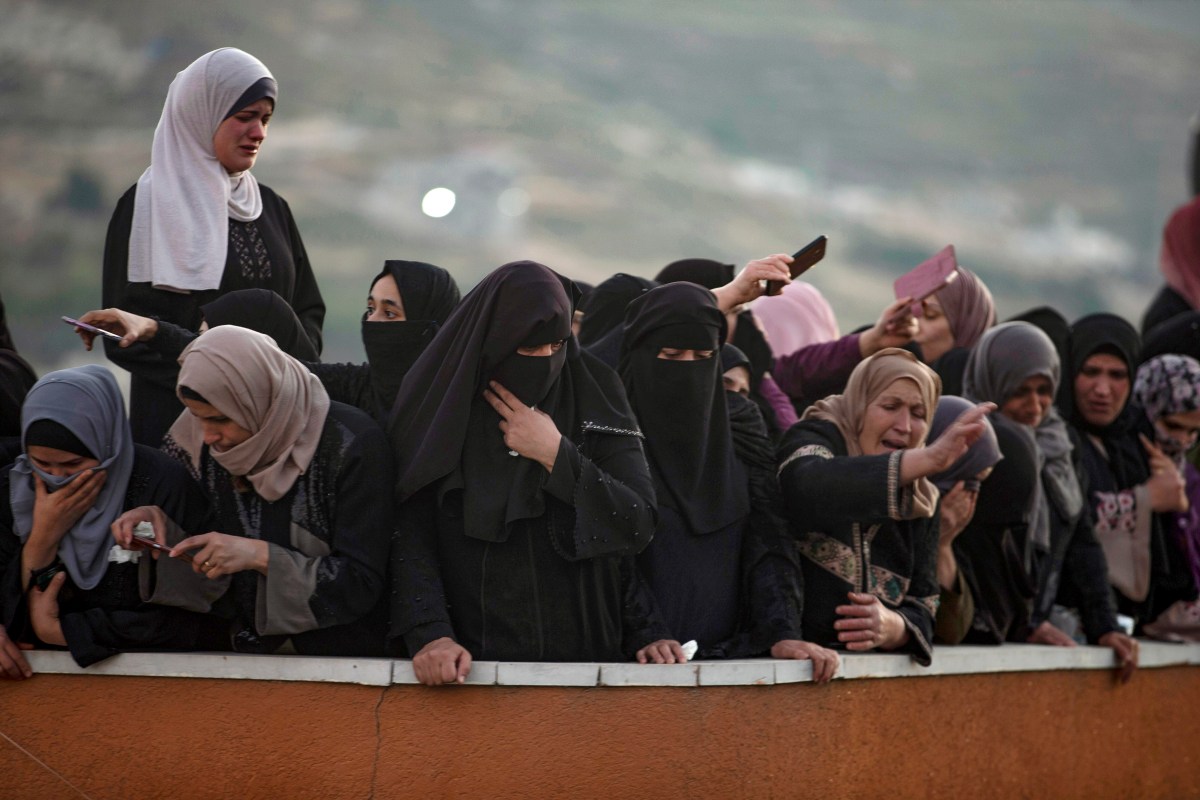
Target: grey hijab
x: 1003, y: 359
x: 87, y: 402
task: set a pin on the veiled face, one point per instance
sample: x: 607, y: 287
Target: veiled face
x: 59, y: 463
x: 384, y: 303
x: 895, y: 420
x: 737, y: 380
x: 1029, y: 404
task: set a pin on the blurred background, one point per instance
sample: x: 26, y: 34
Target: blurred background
x: 1047, y: 141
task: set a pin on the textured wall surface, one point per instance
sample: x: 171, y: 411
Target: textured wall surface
x: 1049, y: 734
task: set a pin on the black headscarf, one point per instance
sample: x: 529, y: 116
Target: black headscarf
x: 994, y: 552
x: 604, y: 307
x: 1100, y: 333
x: 442, y: 428
x: 704, y: 271
x: 1126, y: 465
x: 266, y: 312
x: 1180, y: 335
x: 681, y: 404
x: 428, y: 294
x: 16, y: 379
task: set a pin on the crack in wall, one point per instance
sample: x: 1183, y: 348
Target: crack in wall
x: 378, y: 740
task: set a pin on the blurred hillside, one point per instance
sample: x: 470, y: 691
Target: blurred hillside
x: 1047, y: 141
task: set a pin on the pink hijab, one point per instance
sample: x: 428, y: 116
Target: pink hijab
x: 1180, y: 256
x: 795, y: 318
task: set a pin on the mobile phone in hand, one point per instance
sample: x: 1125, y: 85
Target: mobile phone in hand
x: 91, y: 328
x: 802, y: 259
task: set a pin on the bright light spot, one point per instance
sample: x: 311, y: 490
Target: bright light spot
x: 513, y: 202
x: 438, y: 202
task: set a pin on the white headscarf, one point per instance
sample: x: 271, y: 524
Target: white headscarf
x: 185, y: 198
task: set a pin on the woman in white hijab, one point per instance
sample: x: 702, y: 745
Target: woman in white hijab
x: 197, y: 224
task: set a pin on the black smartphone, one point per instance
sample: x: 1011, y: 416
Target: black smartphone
x: 802, y: 260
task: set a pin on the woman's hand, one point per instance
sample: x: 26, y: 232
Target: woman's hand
x: 55, y: 513
x: 663, y: 651
x: 1167, y: 488
x: 12, y: 661
x: 442, y: 661
x: 958, y: 507
x: 43, y: 611
x: 866, y: 624
x: 122, y: 527
x: 217, y: 554
x: 825, y: 662
x: 527, y: 431
x: 895, y: 327
x: 748, y: 285
x: 1125, y: 648
x: 933, y: 458
x: 1048, y: 634
x: 130, y: 327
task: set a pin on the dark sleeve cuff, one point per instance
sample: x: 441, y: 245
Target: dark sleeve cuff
x: 560, y: 483
x: 80, y: 641
x: 422, y: 635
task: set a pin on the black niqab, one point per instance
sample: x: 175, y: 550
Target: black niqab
x: 1179, y: 334
x: 442, y: 428
x: 681, y: 404
x: 604, y: 307
x: 427, y: 291
x: 704, y: 271
x: 428, y: 294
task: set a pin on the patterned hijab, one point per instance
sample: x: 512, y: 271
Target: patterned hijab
x: 1165, y: 385
x: 87, y: 402
x: 185, y: 198
x: 870, y: 378
x: 244, y: 375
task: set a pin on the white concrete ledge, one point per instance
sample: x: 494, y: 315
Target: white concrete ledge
x: 960, y: 660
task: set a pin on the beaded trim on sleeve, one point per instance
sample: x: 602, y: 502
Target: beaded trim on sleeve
x: 893, y: 484
x: 819, y: 450
x: 596, y: 427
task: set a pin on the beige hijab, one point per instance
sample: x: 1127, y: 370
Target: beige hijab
x: 244, y: 375
x: 867, y: 382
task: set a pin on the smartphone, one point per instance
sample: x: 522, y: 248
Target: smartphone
x: 91, y: 328
x: 927, y: 278
x: 802, y: 259
x: 153, y: 545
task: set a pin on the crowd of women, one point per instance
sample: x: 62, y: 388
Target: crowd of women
x: 651, y: 470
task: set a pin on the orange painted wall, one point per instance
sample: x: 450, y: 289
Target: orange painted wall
x: 1053, y: 735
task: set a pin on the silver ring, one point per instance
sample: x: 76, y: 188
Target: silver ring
x: 513, y: 453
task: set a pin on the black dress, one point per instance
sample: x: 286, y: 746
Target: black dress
x: 111, y: 617
x: 328, y: 538
x: 266, y: 253
x: 845, y: 513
